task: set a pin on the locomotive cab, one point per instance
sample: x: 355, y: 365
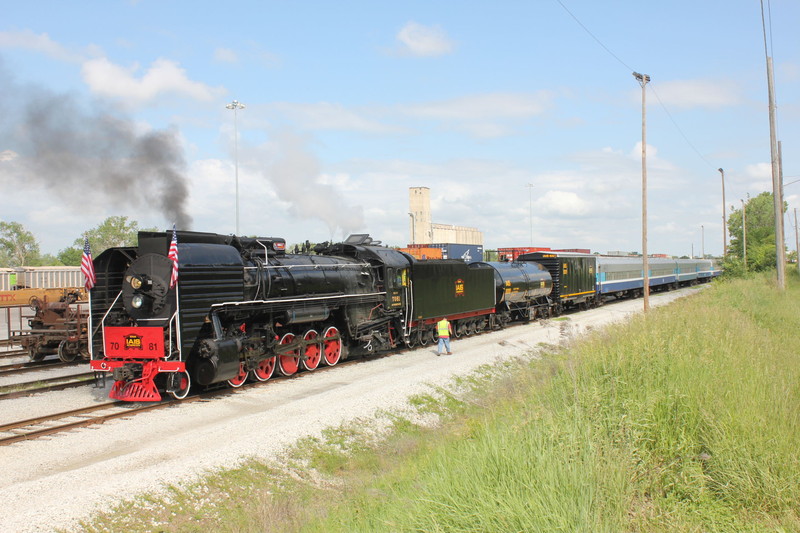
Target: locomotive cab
x: 390, y: 266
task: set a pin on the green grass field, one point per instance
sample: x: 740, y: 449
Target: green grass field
x: 685, y: 420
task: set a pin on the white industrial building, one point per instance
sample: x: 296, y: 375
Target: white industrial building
x: 424, y: 231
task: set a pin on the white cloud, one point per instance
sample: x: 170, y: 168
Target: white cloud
x: 488, y: 106
x: 487, y: 130
x: 163, y: 77
x: 762, y: 171
x: 225, y: 55
x: 688, y: 94
x: 484, y: 116
x: 419, y: 40
x: 264, y: 57
x: 328, y: 116
x: 562, y: 203
x: 39, y: 42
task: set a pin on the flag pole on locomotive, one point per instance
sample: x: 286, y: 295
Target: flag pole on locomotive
x: 173, y: 283
x: 89, y: 281
x: 182, y: 381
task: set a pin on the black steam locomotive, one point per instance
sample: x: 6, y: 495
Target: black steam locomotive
x: 244, y: 308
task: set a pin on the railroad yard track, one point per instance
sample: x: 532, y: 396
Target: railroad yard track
x: 8, y: 354
x: 32, y: 366
x: 17, y: 390
x: 94, y: 415
x: 54, y: 423
x: 34, y: 428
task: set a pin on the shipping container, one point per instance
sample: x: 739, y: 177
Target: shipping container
x: 574, y: 250
x: 423, y: 252
x: 511, y: 254
x: 468, y: 253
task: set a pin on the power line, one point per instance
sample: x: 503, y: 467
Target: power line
x: 685, y: 138
x: 771, y: 47
x: 664, y: 107
x: 593, y: 36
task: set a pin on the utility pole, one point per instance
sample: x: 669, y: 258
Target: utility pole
x: 744, y: 233
x: 724, y: 218
x: 643, y: 79
x: 702, y: 242
x: 777, y: 188
x: 783, y: 224
x: 796, y: 240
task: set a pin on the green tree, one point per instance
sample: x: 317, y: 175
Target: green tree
x: 113, y: 231
x: 71, y: 256
x: 759, y: 222
x: 18, y: 246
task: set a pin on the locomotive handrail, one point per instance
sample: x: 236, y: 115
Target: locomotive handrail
x: 301, y: 299
x: 316, y: 266
x: 174, y: 318
x: 102, y: 320
x: 409, y: 309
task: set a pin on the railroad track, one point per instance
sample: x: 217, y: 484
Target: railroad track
x: 17, y: 390
x: 32, y: 366
x: 7, y: 354
x: 34, y: 428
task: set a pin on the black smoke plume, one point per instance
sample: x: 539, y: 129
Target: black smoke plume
x: 91, y: 153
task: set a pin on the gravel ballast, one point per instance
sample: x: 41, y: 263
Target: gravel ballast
x: 53, y: 482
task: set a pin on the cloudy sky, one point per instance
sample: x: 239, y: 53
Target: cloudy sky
x: 522, y: 117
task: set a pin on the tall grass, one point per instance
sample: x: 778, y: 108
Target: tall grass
x: 683, y: 420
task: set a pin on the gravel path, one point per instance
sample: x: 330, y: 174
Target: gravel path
x: 52, y: 482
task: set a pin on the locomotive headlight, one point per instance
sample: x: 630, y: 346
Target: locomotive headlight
x: 137, y: 301
x: 141, y: 282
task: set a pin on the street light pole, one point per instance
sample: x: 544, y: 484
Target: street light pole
x: 236, y: 106
x: 643, y: 79
x: 530, y: 209
x: 724, y: 218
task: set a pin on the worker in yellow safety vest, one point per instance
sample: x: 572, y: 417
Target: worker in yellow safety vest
x: 444, y: 329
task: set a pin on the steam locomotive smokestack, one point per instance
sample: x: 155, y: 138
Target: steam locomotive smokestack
x: 92, y: 155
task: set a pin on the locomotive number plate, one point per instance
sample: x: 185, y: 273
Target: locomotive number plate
x: 134, y: 342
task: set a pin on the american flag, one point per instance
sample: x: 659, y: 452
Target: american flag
x: 173, y: 256
x: 87, y: 266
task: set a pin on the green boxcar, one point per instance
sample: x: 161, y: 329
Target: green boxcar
x: 451, y: 288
